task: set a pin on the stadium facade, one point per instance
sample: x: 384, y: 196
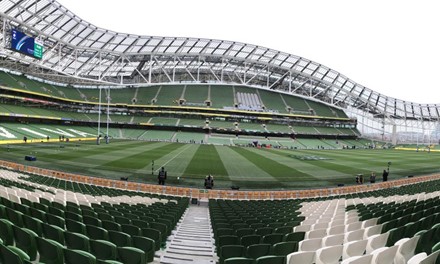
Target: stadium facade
x: 82, y: 55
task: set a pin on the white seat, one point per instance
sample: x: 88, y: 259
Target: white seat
x: 353, y: 226
x: 310, y: 244
x: 337, y: 222
x: 405, y: 250
x: 366, y: 259
x: 301, y: 257
x: 320, y: 226
x: 384, y: 255
x: 354, y: 248
x: 422, y: 258
x: 372, y: 230
x: 416, y: 259
x: 302, y: 228
x: 369, y: 222
x: 354, y: 235
x: 333, y: 240
x: 329, y: 255
x: 376, y: 241
x: 319, y: 233
x: 336, y: 230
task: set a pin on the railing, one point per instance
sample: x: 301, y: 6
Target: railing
x: 215, y: 194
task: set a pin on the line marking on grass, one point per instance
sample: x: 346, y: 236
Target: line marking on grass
x: 187, y: 147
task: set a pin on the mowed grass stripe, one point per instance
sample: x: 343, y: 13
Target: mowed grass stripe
x: 71, y: 153
x: 327, y: 170
x: 139, y: 160
x: 239, y: 168
x: 174, y: 162
x: 272, y: 167
x: 205, y: 161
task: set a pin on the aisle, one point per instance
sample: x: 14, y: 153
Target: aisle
x: 192, y: 242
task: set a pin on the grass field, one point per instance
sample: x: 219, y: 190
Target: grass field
x: 249, y: 168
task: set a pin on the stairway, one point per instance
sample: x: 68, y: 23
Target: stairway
x: 192, y: 241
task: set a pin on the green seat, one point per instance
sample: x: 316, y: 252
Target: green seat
x: 77, y: 241
x: 50, y: 251
x: 26, y: 240
x: 107, y: 261
x: 89, y: 220
x: 97, y: 233
x: 103, y: 249
x: 250, y: 240
x: 271, y: 260
x: 55, y: 220
x: 244, y: 232
x: 37, y: 213
x: 13, y: 255
x: 73, y: 216
x: 231, y: 251
x: 283, y: 230
x: 75, y: 256
x: 131, y: 255
x: 120, y: 239
x: 132, y: 230
x: 224, y: 232
x: 154, y: 235
x: 262, y: 231
x: 57, y: 212
x: 75, y: 226
x: 227, y: 240
x: 33, y: 224
x: 395, y: 235
x: 110, y: 225
x: 122, y: 220
x: 6, y: 232
x: 145, y: 244
x: 162, y: 228
x: 15, y: 217
x: 239, y: 260
x: 284, y: 248
x: 294, y: 236
x: 140, y: 223
x: 22, y: 208
x: 258, y: 250
x: 425, y: 242
x: 272, y: 238
x: 54, y: 233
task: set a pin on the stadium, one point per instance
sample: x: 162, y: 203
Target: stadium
x: 309, y: 166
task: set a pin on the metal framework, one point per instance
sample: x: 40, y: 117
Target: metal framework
x: 79, y: 53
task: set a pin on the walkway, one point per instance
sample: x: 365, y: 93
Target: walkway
x: 193, y: 241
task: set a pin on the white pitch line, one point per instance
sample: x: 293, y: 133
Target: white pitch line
x: 189, y: 145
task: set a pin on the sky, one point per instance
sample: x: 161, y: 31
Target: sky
x: 390, y: 46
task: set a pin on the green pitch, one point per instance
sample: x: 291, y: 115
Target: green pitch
x: 249, y: 168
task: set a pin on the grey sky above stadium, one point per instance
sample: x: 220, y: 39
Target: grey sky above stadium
x: 389, y: 46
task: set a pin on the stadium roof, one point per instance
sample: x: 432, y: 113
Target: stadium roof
x: 78, y: 52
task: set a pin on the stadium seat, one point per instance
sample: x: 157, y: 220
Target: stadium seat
x: 230, y: 251
x: 354, y: 248
x: 303, y: 257
x: 329, y: 255
x: 406, y: 249
x: 239, y: 260
x: 76, y: 241
x: 25, y: 239
x: 284, y: 248
x: 120, y: 239
x: 145, y: 244
x: 103, y: 249
x: 250, y: 240
x: 365, y: 259
x: 75, y: 256
x: 384, y: 255
x: 13, y: 255
x: 50, y: 251
x: 271, y: 260
x: 376, y: 241
x: 131, y: 255
x: 258, y: 250
x: 6, y: 232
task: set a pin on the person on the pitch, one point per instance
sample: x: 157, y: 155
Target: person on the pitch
x: 209, y: 182
x: 162, y: 176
